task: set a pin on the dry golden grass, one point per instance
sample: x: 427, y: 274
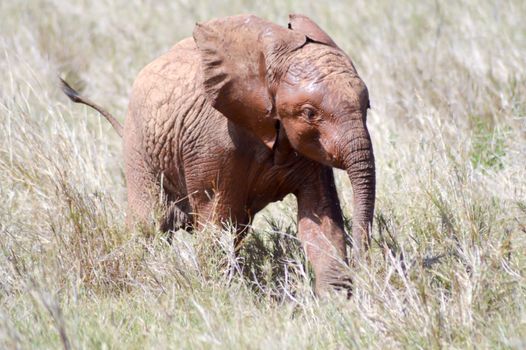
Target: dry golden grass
x: 448, y: 122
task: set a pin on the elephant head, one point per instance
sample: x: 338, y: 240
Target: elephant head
x: 294, y: 89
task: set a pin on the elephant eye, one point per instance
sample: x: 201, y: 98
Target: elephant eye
x: 309, y: 113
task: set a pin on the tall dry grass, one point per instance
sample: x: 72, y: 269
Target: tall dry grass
x: 448, y: 121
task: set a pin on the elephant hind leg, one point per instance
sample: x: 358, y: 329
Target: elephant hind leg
x: 177, y: 216
x: 141, y: 198
x: 144, y: 193
x: 149, y: 207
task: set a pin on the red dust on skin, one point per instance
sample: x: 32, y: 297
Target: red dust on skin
x: 317, y: 119
x: 240, y: 115
x: 299, y: 112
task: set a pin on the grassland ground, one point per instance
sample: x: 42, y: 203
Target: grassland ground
x: 447, y: 269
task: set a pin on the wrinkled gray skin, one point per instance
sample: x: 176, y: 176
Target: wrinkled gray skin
x: 239, y: 116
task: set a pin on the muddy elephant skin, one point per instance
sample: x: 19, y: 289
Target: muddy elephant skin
x: 240, y: 115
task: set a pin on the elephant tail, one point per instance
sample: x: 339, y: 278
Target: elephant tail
x: 75, y: 97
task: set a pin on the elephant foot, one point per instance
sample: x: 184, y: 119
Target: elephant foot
x: 342, y: 285
x: 335, y: 279
x: 174, y: 220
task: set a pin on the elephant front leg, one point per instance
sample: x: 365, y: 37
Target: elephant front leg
x: 320, y: 229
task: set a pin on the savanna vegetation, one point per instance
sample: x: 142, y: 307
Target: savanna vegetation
x: 447, y: 268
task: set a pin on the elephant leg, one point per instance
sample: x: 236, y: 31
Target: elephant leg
x: 320, y: 229
x: 145, y: 208
x: 177, y: 216
x: 222, y: 208
x: 148, y: 206
x: 217, y: 191
x: 141, y: 185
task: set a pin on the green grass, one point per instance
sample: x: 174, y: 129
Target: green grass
x: 448, y: 265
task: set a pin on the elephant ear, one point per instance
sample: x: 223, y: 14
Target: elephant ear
x: 305, y: 25
x: 241, y: 56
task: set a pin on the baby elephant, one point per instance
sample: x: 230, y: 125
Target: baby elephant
x: 240, y: 115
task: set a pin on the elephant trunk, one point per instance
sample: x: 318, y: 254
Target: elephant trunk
x: 359, y: 164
